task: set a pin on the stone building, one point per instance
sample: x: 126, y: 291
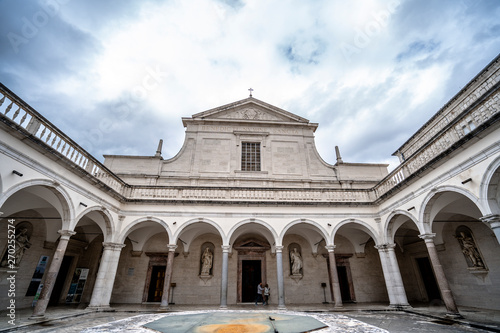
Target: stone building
x: 248, y: 199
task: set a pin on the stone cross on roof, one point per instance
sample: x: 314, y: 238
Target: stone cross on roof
x: 250, y: 91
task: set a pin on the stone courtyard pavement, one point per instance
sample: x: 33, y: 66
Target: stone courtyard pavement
x: 353, y: 318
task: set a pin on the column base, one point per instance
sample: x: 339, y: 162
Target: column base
x: 100, y: 308
x: 400, y: 306
x: 223, y: 307
x: 454, y: 315
x: 37, y: 317
x: 163, y: 309
x: 338, y: 307
x: 282, y: 307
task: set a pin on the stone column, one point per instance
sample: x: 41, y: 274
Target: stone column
x: 168, y: 278
x: 334, y: 276
x: 103, y: 287
x: 494, y: 221
x: 223, y: 286
x: 442, y: 282
x: 389, y: 281
x: 51, y: 275
x: 281, y: 281
x: 399, y: 289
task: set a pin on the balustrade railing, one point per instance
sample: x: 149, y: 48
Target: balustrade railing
x: 16, y: 110
x: 463, y: 124
x: 250, y: 194
x: 463, y: 100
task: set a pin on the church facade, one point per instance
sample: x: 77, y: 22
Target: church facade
x: 247, y: 200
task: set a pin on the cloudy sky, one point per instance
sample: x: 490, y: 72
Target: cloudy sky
x: 118, y: 75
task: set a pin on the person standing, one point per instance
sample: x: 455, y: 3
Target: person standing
x: 267, y: 292
x: 260, y: 292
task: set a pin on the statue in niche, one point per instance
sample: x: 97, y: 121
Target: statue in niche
x: 469, y: 248
x: 22, y: 242
x: 295, y: 262
x: 206, y: 262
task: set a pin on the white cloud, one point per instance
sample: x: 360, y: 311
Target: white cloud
x: 406, y: 60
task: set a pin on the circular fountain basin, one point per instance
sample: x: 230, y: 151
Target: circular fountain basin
x: 227, y: 322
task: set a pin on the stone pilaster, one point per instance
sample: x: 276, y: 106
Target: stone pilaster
x: 281, y: 281
x: 493, y: 221
x: 51, y: 275
x: 103, y: 287
x: 442, y: 282
x: 334, y: 277
x: 168, y: 278
x: 223, y: 287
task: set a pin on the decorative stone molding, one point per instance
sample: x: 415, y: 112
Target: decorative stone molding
x: 135, y: 253
x: 385, y: 247
x: 205, y: 278
x: 428, y: 237
x: 330, y: 248
x: 492, y: 219
x: 113, y: 246
x: 66, y: 234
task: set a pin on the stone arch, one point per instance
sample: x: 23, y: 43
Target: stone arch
x: 310, y: 229
x: 188, y: 229
x: 67, y: 208
x: 108, y: 229
x: 430, y: 201
x: 359, y: 224
x: 394, y: 221
x: 489, y: 191
x: 147, y: 223
x: 232, y: 235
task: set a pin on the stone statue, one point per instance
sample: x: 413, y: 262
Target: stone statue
x: 22, y: 243
x: 206, y: 262
x: 296, y: 261
x: 469, y: 249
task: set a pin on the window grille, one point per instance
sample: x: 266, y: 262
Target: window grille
x: 250, y: 156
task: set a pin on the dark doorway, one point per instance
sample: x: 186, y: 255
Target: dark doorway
x: 251, y: 276
x: 430, y: 283
x: 156, y: 284
x: 61, y: 278
x: 344, y: 284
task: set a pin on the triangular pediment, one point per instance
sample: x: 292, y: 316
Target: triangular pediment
x: 251, y: 244
x: 250, y: 109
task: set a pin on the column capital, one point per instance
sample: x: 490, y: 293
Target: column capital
x: 113, y: 246
x: 279, y: 248
x: 66, y: 234
x: 226, y: 248
x: 172, y: 247
x: 385, y: 247
x: 330, y: 248
x: 492, y: 219
x: 428, y: 237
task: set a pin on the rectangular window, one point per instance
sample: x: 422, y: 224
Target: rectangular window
x: 250, y: 156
